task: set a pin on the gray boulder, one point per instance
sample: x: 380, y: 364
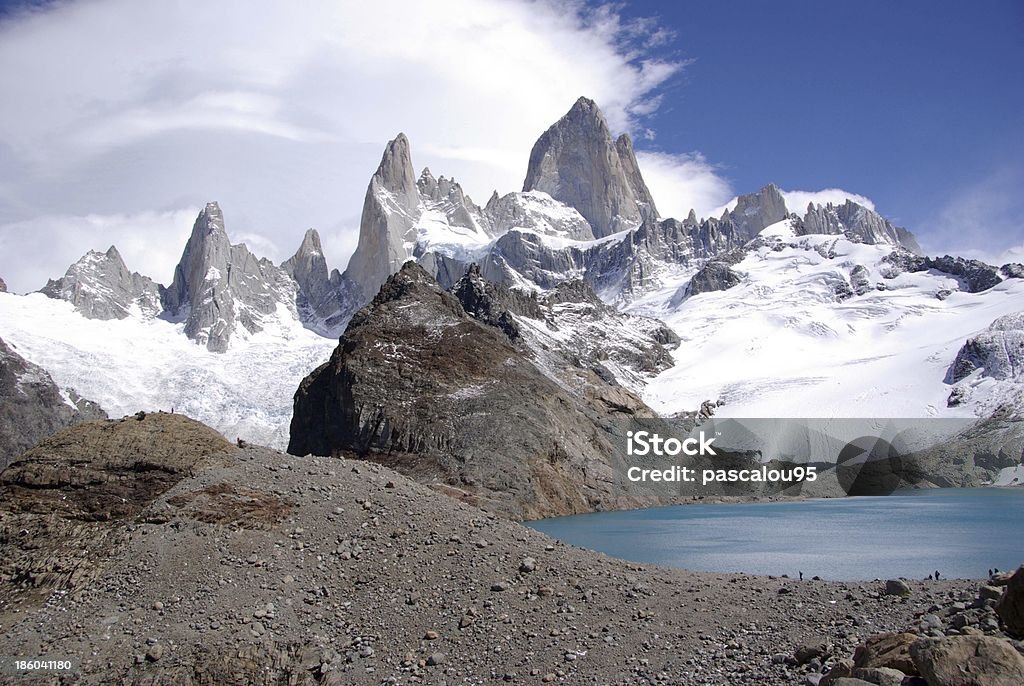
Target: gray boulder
x: 968, y: 661
x: 100, y: 286
x: 32, y: 407
x: 577, y: 162
x: 218, y: 287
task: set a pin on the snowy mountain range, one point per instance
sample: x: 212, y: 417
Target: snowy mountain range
x: 819, y: 311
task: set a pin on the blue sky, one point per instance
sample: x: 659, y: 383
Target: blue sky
x: 910, y: 103
x: 122, y: 118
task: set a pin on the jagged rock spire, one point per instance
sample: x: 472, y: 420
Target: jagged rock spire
x: 577, y: 162
x: 318, y: 296
x: 218, y: 286
x: 390, y: 209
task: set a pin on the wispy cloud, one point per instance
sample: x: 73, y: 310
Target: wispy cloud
x: 149, y: 242
x: 116, y: 107
x: 984, y: 219
x: 681, y: 182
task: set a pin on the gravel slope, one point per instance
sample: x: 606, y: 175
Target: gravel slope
x: 259, y: 567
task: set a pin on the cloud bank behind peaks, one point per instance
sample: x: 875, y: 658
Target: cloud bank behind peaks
x: 126, y: 107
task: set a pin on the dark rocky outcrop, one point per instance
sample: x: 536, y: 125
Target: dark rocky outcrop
x: 100, y: 286
x: 108, y: 469
x: 3, y: 286
x: 713, y: 276
x: 999, y: 351
x: 218, y: 287
x: 494, y: 304
x: 418, y: 384
x: 32, y: 407
x: 974, y: 275
x: 577, y: 162
x: 859, y: 280
x: 1014, y: 270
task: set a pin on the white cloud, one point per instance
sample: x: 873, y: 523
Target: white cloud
x: 983, y: 220
x: 681, y: 182
x: 797, y: 201
x: 149, y: 242
x: 117, y: 107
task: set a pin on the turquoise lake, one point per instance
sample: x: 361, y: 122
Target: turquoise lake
x: 959, y: 532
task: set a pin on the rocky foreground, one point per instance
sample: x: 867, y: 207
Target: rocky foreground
x: 157, y: 553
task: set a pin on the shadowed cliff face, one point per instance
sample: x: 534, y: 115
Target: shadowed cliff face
x: 32, y: 407
x: 418, y: 384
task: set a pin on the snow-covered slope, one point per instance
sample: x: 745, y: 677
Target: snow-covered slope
x: 145, y: 363
x: 794, y: 339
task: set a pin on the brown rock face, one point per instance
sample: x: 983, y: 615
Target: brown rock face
x: 968, y: 661
x: 105, y: 470
x: 421, y: 386
x: 1011, y: 606
x: 886, y: 650
x: 62, y: 502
